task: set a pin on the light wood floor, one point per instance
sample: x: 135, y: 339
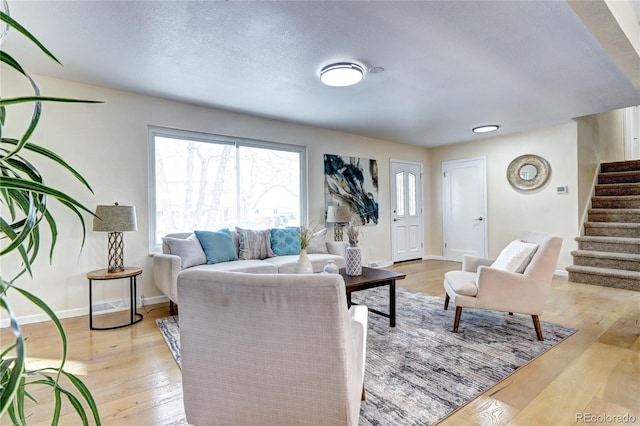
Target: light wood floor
x: 595, y: 372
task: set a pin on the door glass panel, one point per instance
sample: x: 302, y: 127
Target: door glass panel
x: 413, y: 202
x: 400, y: 194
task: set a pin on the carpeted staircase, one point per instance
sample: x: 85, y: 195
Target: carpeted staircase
x: 609, y: 252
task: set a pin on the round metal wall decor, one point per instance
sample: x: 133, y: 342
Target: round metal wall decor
x: 528, y: 172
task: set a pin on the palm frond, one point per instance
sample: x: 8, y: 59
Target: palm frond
x: 24, y: 195
x: 14, y: 371
x: 16, y: 25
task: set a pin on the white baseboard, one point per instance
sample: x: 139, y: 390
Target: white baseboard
x: 98, y: 309
x: 561, y: 273
x: 155, y: 299
x: 432, y: 257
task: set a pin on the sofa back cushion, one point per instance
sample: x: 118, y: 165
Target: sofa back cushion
x: 218, y: 245
x: 285, y: 241
x: 189, y: 250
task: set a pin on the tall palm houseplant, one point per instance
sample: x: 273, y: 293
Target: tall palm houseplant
x: 23, y: 200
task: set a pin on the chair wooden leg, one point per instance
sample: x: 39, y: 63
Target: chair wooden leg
x: 456, y: 322
x: 536, y: 324
x: 363, y: 397
x: 446, y: 302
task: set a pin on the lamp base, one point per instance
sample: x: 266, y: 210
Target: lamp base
x: 116, y: 252
x: 337, y: 232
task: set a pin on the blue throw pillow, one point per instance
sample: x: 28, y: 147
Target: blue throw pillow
x: 218, y: 246
x: 285, y: 241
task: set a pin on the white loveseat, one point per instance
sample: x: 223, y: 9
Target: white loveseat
x: 167, y: 267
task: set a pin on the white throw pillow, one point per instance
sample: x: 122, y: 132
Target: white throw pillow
x: 515, y: 257
x: 318, y: 243
x: 189, y: 250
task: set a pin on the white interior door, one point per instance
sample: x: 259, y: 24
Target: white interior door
x: 464, y: 208
x: 407, y: 220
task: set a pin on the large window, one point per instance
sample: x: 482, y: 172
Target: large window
x: 209, y: 182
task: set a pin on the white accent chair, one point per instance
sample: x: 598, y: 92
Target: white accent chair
x: 270, y: 349
x: 480, y: 286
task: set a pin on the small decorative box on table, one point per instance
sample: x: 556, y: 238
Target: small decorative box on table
x: 104, y: 274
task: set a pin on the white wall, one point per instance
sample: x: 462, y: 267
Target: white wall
x: 511, y: 211
x: 600, y: 139
x: 107, y: 143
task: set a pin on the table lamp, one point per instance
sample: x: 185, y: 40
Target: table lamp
x: 339, y: 216
x: 115, y: 220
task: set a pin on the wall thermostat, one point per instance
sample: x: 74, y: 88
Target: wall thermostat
x: 562, y: 189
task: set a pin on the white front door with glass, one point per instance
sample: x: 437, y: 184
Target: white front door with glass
x: 406, y: 214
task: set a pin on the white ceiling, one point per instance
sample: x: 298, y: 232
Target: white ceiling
x: 449, y: 66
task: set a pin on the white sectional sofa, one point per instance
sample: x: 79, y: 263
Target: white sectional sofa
x: 167, y: 266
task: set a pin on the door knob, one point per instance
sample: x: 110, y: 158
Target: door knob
x: 479, y: 219
x: 395, y: 220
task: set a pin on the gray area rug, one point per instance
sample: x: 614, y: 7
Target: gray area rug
x: 420, y: 372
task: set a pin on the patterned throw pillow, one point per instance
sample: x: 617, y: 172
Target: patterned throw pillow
x: 189, y: 250
x: 218, y: 245
x: 254, y: 244
x: 318, y: 242
x: 285, y: 241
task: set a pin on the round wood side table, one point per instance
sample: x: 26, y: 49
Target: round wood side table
x: 104, y: 274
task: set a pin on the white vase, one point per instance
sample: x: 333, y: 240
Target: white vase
x: 353, y: 261
x: 331, y: 268
x: 303, y: 265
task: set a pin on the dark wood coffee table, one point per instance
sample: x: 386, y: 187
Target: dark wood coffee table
x: 371, y: 278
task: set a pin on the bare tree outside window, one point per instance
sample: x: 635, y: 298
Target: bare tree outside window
x: 210, y: 185
x: 269, y: 187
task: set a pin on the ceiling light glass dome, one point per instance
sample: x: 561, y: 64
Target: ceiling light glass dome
x: 341, y: 74
x: 485, y: 129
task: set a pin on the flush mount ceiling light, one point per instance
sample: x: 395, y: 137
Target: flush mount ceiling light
x: 341, y: 74
x: 485, y: 129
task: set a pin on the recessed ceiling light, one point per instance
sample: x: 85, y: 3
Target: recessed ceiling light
x: 341, y: 74
x: 485, y: 129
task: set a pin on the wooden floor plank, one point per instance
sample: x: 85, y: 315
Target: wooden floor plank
x: 482, y: 411
x: 574, y: 389
x: 623, y: 386
x: 136, y: 381
x: 623, y: 333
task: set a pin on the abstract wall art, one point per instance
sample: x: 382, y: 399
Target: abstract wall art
x: 352, y: 181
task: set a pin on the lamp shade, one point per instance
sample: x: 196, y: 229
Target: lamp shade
x: 115, y: 218
x: 338, y: 214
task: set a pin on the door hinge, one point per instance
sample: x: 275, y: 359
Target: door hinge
x: 444, y: 175
x: 445, y: 245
